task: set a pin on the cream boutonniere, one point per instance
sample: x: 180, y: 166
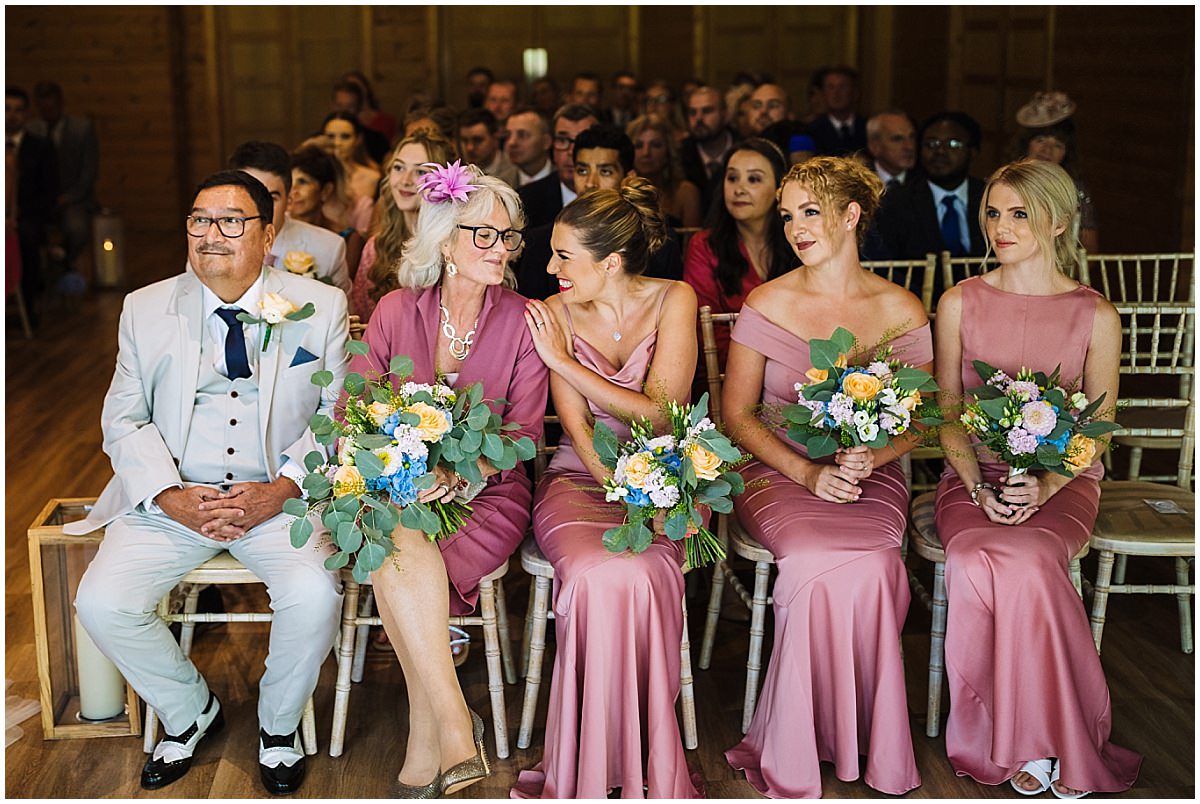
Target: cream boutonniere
x: 300, y: 263
x: 275, y: 310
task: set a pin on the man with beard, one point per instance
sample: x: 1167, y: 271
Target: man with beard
x: 708, y: 142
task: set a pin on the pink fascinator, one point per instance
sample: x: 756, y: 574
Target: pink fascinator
x: 446, y: 182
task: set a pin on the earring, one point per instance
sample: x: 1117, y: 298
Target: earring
x: 451, y: 269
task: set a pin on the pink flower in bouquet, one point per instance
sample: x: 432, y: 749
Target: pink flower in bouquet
x: 446, y: 182
x: 1038, y: 418
x: 1024, y: 388
x: 1021, y: 441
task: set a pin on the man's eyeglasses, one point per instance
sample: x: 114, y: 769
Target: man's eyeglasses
x: 485, y: 236
x: 563, y: 143
x: 934, y: 144
x: 227, y: 225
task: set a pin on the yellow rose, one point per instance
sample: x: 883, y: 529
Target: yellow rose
x: 840, y: 362
x: 911, y: 401
x: 862, y: 387
x: 1081, y: 451
x: 274, y: 308
x: 433, y: 424
x: 379, y: 412
x: 704, y: 462
x: 348, y: 480
x: 637, y: 468
x: 816, y: 375
x: 299, y: 262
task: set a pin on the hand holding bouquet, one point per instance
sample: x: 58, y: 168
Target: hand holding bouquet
x: 386, y: 446
x: 850, y: 406
x: 1032, y: 422
x: 670, y: 475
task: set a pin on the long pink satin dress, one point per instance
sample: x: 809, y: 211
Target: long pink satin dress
x: 1025, y: 680
x: 618, y: 620
x: 834, y: 688
x: 504, y: 360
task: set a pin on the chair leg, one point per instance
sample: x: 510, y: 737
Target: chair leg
x: 506, y: 657
x: 713, y: 614
x: 758, y: 617
x: 187, y: 629
x: 345, y: 663
x: 1100, y: 596
x: 687, y: 693
x: 528, y: 630
x: 937, y: 652
x: 1119, y: 569
x: 1135, y: 463
x: 491, y: 650
x: 1185, y: 605
x: 1076, y: 577
x: 308, y: 728
x: 363, y: 637
x: 536, y: 626
x: 23, y: 313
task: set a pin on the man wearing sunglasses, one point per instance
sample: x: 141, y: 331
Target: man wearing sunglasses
x: 206, y: 423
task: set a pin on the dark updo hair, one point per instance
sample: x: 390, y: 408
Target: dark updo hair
x: 625, y: 221
x: 836, y: 181
x: 320, y: 165
x: 1063, y: 131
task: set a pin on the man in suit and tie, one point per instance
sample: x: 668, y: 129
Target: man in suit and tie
x: 271, y: 165
x: 892, y: 141
x: 206, y: 423
x: 544, y: 198
x: 840, y: 131
x: 709, y: 141
x: 36, y: 189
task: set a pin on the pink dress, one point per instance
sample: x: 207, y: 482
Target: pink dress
x: 361, y: 303
x: 504, y: 360
x: 834, y: 688
x: 618, y: 620
x: 1025, y: 680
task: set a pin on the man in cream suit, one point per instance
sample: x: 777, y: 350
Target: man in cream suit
x: 271, y: 165
x: 207, y: 431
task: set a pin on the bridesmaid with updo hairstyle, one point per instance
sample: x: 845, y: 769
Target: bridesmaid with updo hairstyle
x: 619, y: 345
x: 834, y: 687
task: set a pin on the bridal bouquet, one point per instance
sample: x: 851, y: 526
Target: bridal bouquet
x: 849, y: 406
x: 1032, y: 422
x: 693, y: 465
x: 386, y: 441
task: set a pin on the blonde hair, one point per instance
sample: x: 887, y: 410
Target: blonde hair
x: 1050, y: 199
x: 422, y: 263
x: 625, y: 221
x: 672, y: 173
x: 836, y: 181
x: 388, y: 225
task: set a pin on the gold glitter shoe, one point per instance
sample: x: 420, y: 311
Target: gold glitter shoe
x: 431, y: 790
x: 472, y: 770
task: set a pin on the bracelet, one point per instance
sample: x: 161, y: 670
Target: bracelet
x: 978, y: 487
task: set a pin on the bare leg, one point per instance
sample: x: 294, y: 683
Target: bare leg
x: 412, y: 592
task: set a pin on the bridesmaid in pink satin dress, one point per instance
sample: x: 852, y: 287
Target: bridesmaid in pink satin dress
x: 619, y: 345
x: 1026, y: 684
x: 834, y: 687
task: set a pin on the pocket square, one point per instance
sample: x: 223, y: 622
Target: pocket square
x: 302, y: 356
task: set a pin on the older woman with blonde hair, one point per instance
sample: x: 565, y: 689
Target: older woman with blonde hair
x: 395, y: 218
x: 456, y: 317
x: 1008, y: 540
x: 656, y: 158
x: 834, y: 688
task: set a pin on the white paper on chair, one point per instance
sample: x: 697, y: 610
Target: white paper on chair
x: 1165, y: 506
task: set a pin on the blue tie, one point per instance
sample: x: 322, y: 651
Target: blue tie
x: 236, y: 364
x: 951, y: 233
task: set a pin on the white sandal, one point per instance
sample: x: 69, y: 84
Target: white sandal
x: 1039, y: 769
x: 1055, y: 790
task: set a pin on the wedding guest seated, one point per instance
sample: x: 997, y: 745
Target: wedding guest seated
x: 479, y: 144
x: 1008, y: 539
x: 299, y: 247
x: 207, y: 432
x: 660, y: 100
x: 657, y: 160
x: 370, y: 115
x: 834, y: 688
x: 625, y: 93
x: 708, y: 142
x: 479, y: 79
x: 436, y: 119
x: 840, y: 131
x: 455, y: 316
x: 892, y: 143
x: 587, y: 89
x: 315, y: 179
x: 544, y: 96
x: 500, y: 100
x: 344, y: 133
x: 543, y: 198
x: 771, y: 117
x: 619, y: 345
x: 603, y: 158
x: 348, y: 96
x: 395, y: 219
x: 528, y: 145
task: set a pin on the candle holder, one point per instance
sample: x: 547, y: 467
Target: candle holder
x: 56, y: 563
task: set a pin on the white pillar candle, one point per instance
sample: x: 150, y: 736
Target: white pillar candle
x: 101, y: 685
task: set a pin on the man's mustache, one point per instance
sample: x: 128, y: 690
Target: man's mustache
x: 214, y: 249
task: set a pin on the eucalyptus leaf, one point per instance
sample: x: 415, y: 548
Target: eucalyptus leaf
x: 359, y: 348
x: 368, y: 464
x: 525, y: 448
x: 699, y: 410
x: 722, y: 505
x: 425, y: 481
x: 354, y: 383
x: 304, y: 312
x: 737, y: 484
x: 300, y: 530
x: 373, y: 440
x: 1099, y: 428
x: 469, y: 469
x: 360, y: 572
x: 349, y: 537
x: 471, y: 442
x: 820, y: 445
x: 507, y: 459
x: 478, y: 417
x: 336, y: 561
x: 322, y: 378
x: 604, y: 441
x: 984, y: 371
x: 371, y: 556
x: 493, y: 447
x: 676, y: 526
x: 294, y: 506
x: 313, y: 460
x: 400, y: 366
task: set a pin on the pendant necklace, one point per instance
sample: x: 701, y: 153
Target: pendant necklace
x: 459, y: 347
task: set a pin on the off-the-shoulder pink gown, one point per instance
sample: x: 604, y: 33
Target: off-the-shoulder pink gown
x: 834, y: 688
x: 1025, y: 680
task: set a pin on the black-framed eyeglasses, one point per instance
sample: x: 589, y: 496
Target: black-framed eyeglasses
x: 562, y: 142
x: 227, y: 225
x: 486, y: 236
x: 933, y: 144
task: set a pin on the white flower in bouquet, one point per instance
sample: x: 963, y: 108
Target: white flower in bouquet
x: 665, y: 497
x: 840, y: 409
x: 346, y: 452
x: 868, y: 431
x: 861, y: 418
x: 408, y: 441
x: 887, y: 397
x: 616, y: 494
x: 879, y: 369
x: 661, y: 442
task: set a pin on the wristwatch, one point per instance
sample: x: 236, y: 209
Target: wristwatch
x: 978, y: 487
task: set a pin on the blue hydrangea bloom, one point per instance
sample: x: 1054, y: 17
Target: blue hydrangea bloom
x: 638, y: 497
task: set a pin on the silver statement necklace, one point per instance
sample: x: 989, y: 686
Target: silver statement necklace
x: 459, y: 347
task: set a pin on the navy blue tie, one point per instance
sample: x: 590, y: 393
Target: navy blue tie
x: 236, y: 364
x: 951, y: 231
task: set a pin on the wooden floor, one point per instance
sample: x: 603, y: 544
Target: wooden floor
x: 54, y: 391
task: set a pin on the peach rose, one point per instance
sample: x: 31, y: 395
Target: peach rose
x: 862, y: 387
x: 841, y: 362
x: 379, y: 412
x: 1081, y: 451
x: 706, y: 464
x: 348, y: 480
x: 298, y: 262
x: 816, y: 375
x: 433, y: 424
x: 637, y: 468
